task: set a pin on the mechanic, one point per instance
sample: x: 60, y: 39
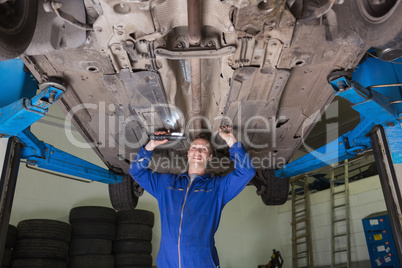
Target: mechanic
x: 190, y: 204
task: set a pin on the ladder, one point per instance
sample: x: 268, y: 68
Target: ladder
x: 340, y: 226
x: 302, y: 247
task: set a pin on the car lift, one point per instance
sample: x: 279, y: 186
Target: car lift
x: 380, y: 108
x: 378, y: 98
x: 15, y: 121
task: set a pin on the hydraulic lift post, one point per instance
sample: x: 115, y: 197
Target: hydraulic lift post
x: 389, y: 168
x: 12, y: 149
x: 20, y: 107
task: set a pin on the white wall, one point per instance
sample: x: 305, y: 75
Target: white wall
x: 246, y: 236
x: 248, y: 231
x: 365, y: 198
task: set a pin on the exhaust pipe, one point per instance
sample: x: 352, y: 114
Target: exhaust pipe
x: 194, y: 36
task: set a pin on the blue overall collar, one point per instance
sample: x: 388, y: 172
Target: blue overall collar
x: 203, y: 177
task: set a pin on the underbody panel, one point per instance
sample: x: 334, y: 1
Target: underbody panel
x: 261, y: 71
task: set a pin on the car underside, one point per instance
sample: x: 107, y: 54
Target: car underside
x: 137, y: 66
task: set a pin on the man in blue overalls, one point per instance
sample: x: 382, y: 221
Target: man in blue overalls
x: 190, y: 204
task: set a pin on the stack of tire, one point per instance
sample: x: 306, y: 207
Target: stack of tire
x: 133, y: 247
x: 94, y: 229
x: 10, y: 242
x: 41, y: 244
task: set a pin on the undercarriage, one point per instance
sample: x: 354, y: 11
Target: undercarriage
x: 135, y: 67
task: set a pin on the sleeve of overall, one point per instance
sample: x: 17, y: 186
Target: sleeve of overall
x: 140, y: 172
x: 244, y: 171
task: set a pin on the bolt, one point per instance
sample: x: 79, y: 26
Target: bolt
x: 341, y: 86
x: 52, y: 96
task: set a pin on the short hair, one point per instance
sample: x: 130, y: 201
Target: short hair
x: 206, y: 137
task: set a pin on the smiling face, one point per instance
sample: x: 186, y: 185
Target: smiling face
x: 199, y: 153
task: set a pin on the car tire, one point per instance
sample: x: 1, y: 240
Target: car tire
x: 133, y: 260
x: 38, y: 263
x: 92, y: 214
x: 44, y: 229
x: 274, y: 191
x: 6, y: 260
x: 137, y: 216
x: 40, y: 249
x: 96, y: 230
x: 122, y: 196
x: 378, y: 29
x: 132, y: 246
x: 92, y: 261
x: 12, y: 234
x: 90, y: 246
x: 134, y: 231
x: 17, y: 30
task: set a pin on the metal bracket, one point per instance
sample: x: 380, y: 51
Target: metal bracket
x: 19, y: 115
x: 197, y: 53
x: 53, y: 6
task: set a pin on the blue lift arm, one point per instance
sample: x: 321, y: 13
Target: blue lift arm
x: 374, y: 108
x: 46, y: 156
x: 16, y: 119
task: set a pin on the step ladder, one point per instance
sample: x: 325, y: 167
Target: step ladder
x: 340, y: 225
x: 302, y: 247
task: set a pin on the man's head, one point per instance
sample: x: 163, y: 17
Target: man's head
x: 200, y: 152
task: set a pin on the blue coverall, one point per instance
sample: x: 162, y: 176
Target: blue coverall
x: 190, y: 212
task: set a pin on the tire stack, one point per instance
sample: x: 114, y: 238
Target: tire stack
x: 133, y: 247
x: 10, y: 242
x: 94, y: 229
x: 41, y: 244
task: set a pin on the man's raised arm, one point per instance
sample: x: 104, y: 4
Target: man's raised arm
x: 244, y: 170
x: 139, y: 168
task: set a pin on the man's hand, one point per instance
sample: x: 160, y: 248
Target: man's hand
x: 226, y: 134
x: 152, y: 144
